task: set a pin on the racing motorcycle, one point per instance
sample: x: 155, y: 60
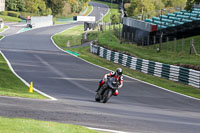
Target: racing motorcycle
x: 107, y: 90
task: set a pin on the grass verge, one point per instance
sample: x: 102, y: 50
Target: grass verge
x: 10, y: 85
x: 5, y: 27
x: 89, y: 9
x: 10, y: 19
x: 15, y: 125
x: 147, y: 53
x: 1, y: 37
x: 73, y: 35
x: 85, y: 54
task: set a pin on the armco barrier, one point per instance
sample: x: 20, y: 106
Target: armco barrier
x: 170, y: 72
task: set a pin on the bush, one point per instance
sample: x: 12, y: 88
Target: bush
x: 4, y: 13
x: 13, y: 14
x: 116, y: 19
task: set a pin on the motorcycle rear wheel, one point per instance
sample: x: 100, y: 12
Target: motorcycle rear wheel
x: 97, y: 97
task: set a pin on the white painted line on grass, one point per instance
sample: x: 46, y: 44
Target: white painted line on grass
x: 26, y: 83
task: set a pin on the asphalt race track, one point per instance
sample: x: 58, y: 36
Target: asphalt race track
x: 138, y: 108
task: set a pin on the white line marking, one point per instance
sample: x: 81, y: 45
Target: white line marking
x: 90, y: 11
x: 26, y: 83
x: 24, y: 98
x: 108, y: 130
x: 80, y: 79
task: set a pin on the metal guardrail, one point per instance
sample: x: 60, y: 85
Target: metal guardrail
x: 170, y: 72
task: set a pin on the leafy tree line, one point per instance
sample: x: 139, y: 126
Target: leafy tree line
x: 191, y: 2
x: 77, y: 5
x: 45, y: 7
x: 145, y: 6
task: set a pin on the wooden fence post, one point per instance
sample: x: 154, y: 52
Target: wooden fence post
x: 167, y: 43
x: 160, y: 46
x: 154, y: 41
x: 148, y: 39
x: 175, y: 45
x: 132, y: 37
x: 183, y: 42
x: 192, y: 48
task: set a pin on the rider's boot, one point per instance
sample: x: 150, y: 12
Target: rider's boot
x: 98, y: 89
x: 101, y: 82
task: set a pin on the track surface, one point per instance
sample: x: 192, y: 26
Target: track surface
x: 138, y: 108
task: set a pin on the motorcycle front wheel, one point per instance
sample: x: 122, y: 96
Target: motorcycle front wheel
x: 106, y: 96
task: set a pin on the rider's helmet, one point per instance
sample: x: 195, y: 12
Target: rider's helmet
x: 119, y: 72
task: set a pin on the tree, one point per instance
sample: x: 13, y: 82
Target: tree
x: 140, y: 7
x: 115, y: 19
x: 55, y: 5
x: 174, y: 3
x: 37, y: 6
x: 15, y: 5
x: 190, y: 3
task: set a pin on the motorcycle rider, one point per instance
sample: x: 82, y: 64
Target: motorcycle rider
x: 118, y: 75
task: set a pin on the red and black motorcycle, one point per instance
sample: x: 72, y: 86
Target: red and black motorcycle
x: 107, y: 90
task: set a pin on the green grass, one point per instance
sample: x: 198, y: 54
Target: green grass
x: 151, y: 53
x: 179, y: 49
x: 10, y: 19
x: 73, y: 35
x: 89, y: 9
x: 1, y: 37
x: 10, y: 85
x: 103, y: 39
x: 107, y: 17
x: 16, y: 125
x: 5, y: 27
